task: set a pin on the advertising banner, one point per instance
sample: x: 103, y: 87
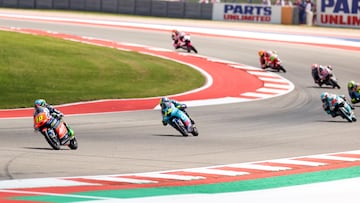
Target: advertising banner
x: 255, y: 13
x: 338, y: 13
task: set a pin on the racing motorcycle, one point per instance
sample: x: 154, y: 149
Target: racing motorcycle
x: 329, y: 76
x: 276, y: 64
x: 176, y: 120
x: 54, y: 129
x: 347, y: 113
x: 186, y: 44
x: 345, y: 110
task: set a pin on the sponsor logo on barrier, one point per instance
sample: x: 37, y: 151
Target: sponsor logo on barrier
x: 241, y: 12
x: 344, y: 13
x: 255, y: 13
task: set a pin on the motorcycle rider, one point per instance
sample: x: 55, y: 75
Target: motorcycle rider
x: 354, y: 91
x: 331, y: 103
x: 315, y: 72
x: 265, y: 57
x: 177, y: 37
x: 273, y: 59
x: 40, y: 105
x: 165, y: 102
x: 320, y: 73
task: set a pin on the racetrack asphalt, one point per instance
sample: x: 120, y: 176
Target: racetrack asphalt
x: 130, y: 142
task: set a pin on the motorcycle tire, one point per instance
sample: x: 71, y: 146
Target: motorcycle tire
x: 334, y: 84
x: 193, y: 48
x: 195, y: 131
x: 180, y: 127
x: 282, y: 69
x: 344, y: 115
x: 73, y: 144
x: 53, y: 141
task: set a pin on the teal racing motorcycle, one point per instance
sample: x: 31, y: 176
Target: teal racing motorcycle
x: 179, y: 119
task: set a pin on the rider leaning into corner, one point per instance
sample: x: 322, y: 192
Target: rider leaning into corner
x: 177, y: 37
x: 264, y: 57
x: 164, y: 104
x: 320, y: 73
x: 40, y: 105
x: 331, y: 103
x: 354, y: 91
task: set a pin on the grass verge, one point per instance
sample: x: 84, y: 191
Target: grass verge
x: 62, y: 71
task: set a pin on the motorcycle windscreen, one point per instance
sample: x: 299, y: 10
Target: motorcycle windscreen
x: 61, y: 130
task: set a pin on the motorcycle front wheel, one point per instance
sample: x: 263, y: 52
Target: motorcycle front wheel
x: 334, y: 84
x: 179, y: 126
x: 73, y: 144
x: 193, y: 48
x: 195, y: 131
x: 344, y: 114
x: 282, y: 69
x: 52, y: 139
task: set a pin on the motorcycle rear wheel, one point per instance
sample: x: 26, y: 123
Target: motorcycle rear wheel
x: 73, y: 144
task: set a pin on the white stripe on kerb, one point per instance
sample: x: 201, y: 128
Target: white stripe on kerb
x: 116, y: 179
x: 272, y: 80
x: 216, y: 171
x: 329, y: 157
x: 59, y: 195
x: 245, y: 67
x: 285, y: 86
x: 40, y: 182
x: 353, y: 152
x: 169, y: 176
x: 254, y: 94
x: 270, y: 90
x: 297, y: 162
x: 259, y: 167
x: 263, y: 73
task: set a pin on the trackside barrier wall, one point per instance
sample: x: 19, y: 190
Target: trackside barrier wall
x: 171, y: 9
x: 338, y: 13
x: 255, y: 13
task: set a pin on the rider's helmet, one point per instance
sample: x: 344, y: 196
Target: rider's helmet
x: 324, y: 96
x: 315, y: 65
x: 351, y: 84
x: 261, y: 52
x: 39, y: 103
x: 163, y: 101
x: 175, y: 32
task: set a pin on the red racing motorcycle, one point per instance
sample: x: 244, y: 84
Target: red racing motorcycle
x: 54, y: 129
x: 275, y: 63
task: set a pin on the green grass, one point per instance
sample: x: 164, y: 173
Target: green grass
x: 62, y: 71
